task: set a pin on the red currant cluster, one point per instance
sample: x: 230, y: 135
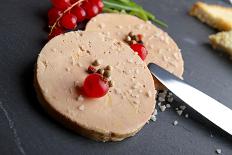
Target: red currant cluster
x: 66, y: 14
x: 136, y: 43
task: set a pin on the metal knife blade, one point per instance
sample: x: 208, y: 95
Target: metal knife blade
x: 213, y: 110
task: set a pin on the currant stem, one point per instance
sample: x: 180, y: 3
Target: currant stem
x: 68, y: 9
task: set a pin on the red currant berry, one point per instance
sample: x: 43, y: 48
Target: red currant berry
x: 53, y: 14
x: 91, y: 9
x: 55, y: 32
x: 61, y: 4
x: 94, y: 86
x: 69, y: 21
x: 140, y: 49
x: 99, y: 4
x: 79, y: 13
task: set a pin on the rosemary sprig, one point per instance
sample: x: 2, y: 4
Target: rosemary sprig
x: 130, y: 7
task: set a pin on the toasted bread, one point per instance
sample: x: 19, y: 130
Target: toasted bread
x: 222, y: 41
x: 216, y: 16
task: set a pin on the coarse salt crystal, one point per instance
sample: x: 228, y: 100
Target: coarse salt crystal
x: 81, y: 107
x: 79, y: 64
x: 186, y: 115
x: 54, y: 50
x: 166, y: 40
x: 138, y: 62
x: 161, y: 99
x: 168, y: 105
x: 149, y: 94
x: 117, y: 91
x: 80, y: 98
x: 153, y: 118
x: 162, y: 108
x: 155, y: 112
x: 118, y: 33
x: 119, y: 26
x: 129, y: 91
x: 162, y: 95
x: 76, y: 83
x: 151, y: 46
x: 182, y: 107
x: 176, y: 56
x: 67, y: 69
x: 137, y: 71
x: 179, y: 112
x: 101, y: 25
x: 136, y: 101
x: 170, y: 99
x: 175, y: 123
x: 148, y: 22
x: 136, y: 86
x: 45, y: 91
x: 140, y: 26
x: 218, y: 151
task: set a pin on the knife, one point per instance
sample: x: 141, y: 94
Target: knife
x: 211, y: 109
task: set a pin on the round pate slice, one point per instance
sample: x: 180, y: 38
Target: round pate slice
x: 162, y: 50
x: 61, y: 71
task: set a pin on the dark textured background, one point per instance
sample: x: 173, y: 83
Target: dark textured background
x: 26, y: 129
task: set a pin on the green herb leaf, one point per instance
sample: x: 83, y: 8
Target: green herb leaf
x: 132, y: 8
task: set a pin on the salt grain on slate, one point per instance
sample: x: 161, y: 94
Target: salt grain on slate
x: 155, y: 112
x: 162, y: 95
x: 179, y: 112
x: 153, y: 118
x: 161, y: 99
x: 182, y: 107
x: 165, y: 91
x: 163, y: 108
x: 170, y: 99
x: 168, y: 105
x: 175, y: 123
x: 218, y: 151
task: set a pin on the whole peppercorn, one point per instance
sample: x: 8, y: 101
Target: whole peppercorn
x: 91, y: 69
x: 107, y: 74
x: 96, y: 63
x: 108, y: 68
x: 111, y: 83
x: 100, y: 71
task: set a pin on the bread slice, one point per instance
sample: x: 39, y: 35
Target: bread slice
x: 218, y: 17
x: 222, y: 41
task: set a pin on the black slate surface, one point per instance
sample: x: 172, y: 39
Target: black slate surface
x: 26, y: 129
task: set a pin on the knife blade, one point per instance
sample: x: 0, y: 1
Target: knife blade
x: 211, y: 109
